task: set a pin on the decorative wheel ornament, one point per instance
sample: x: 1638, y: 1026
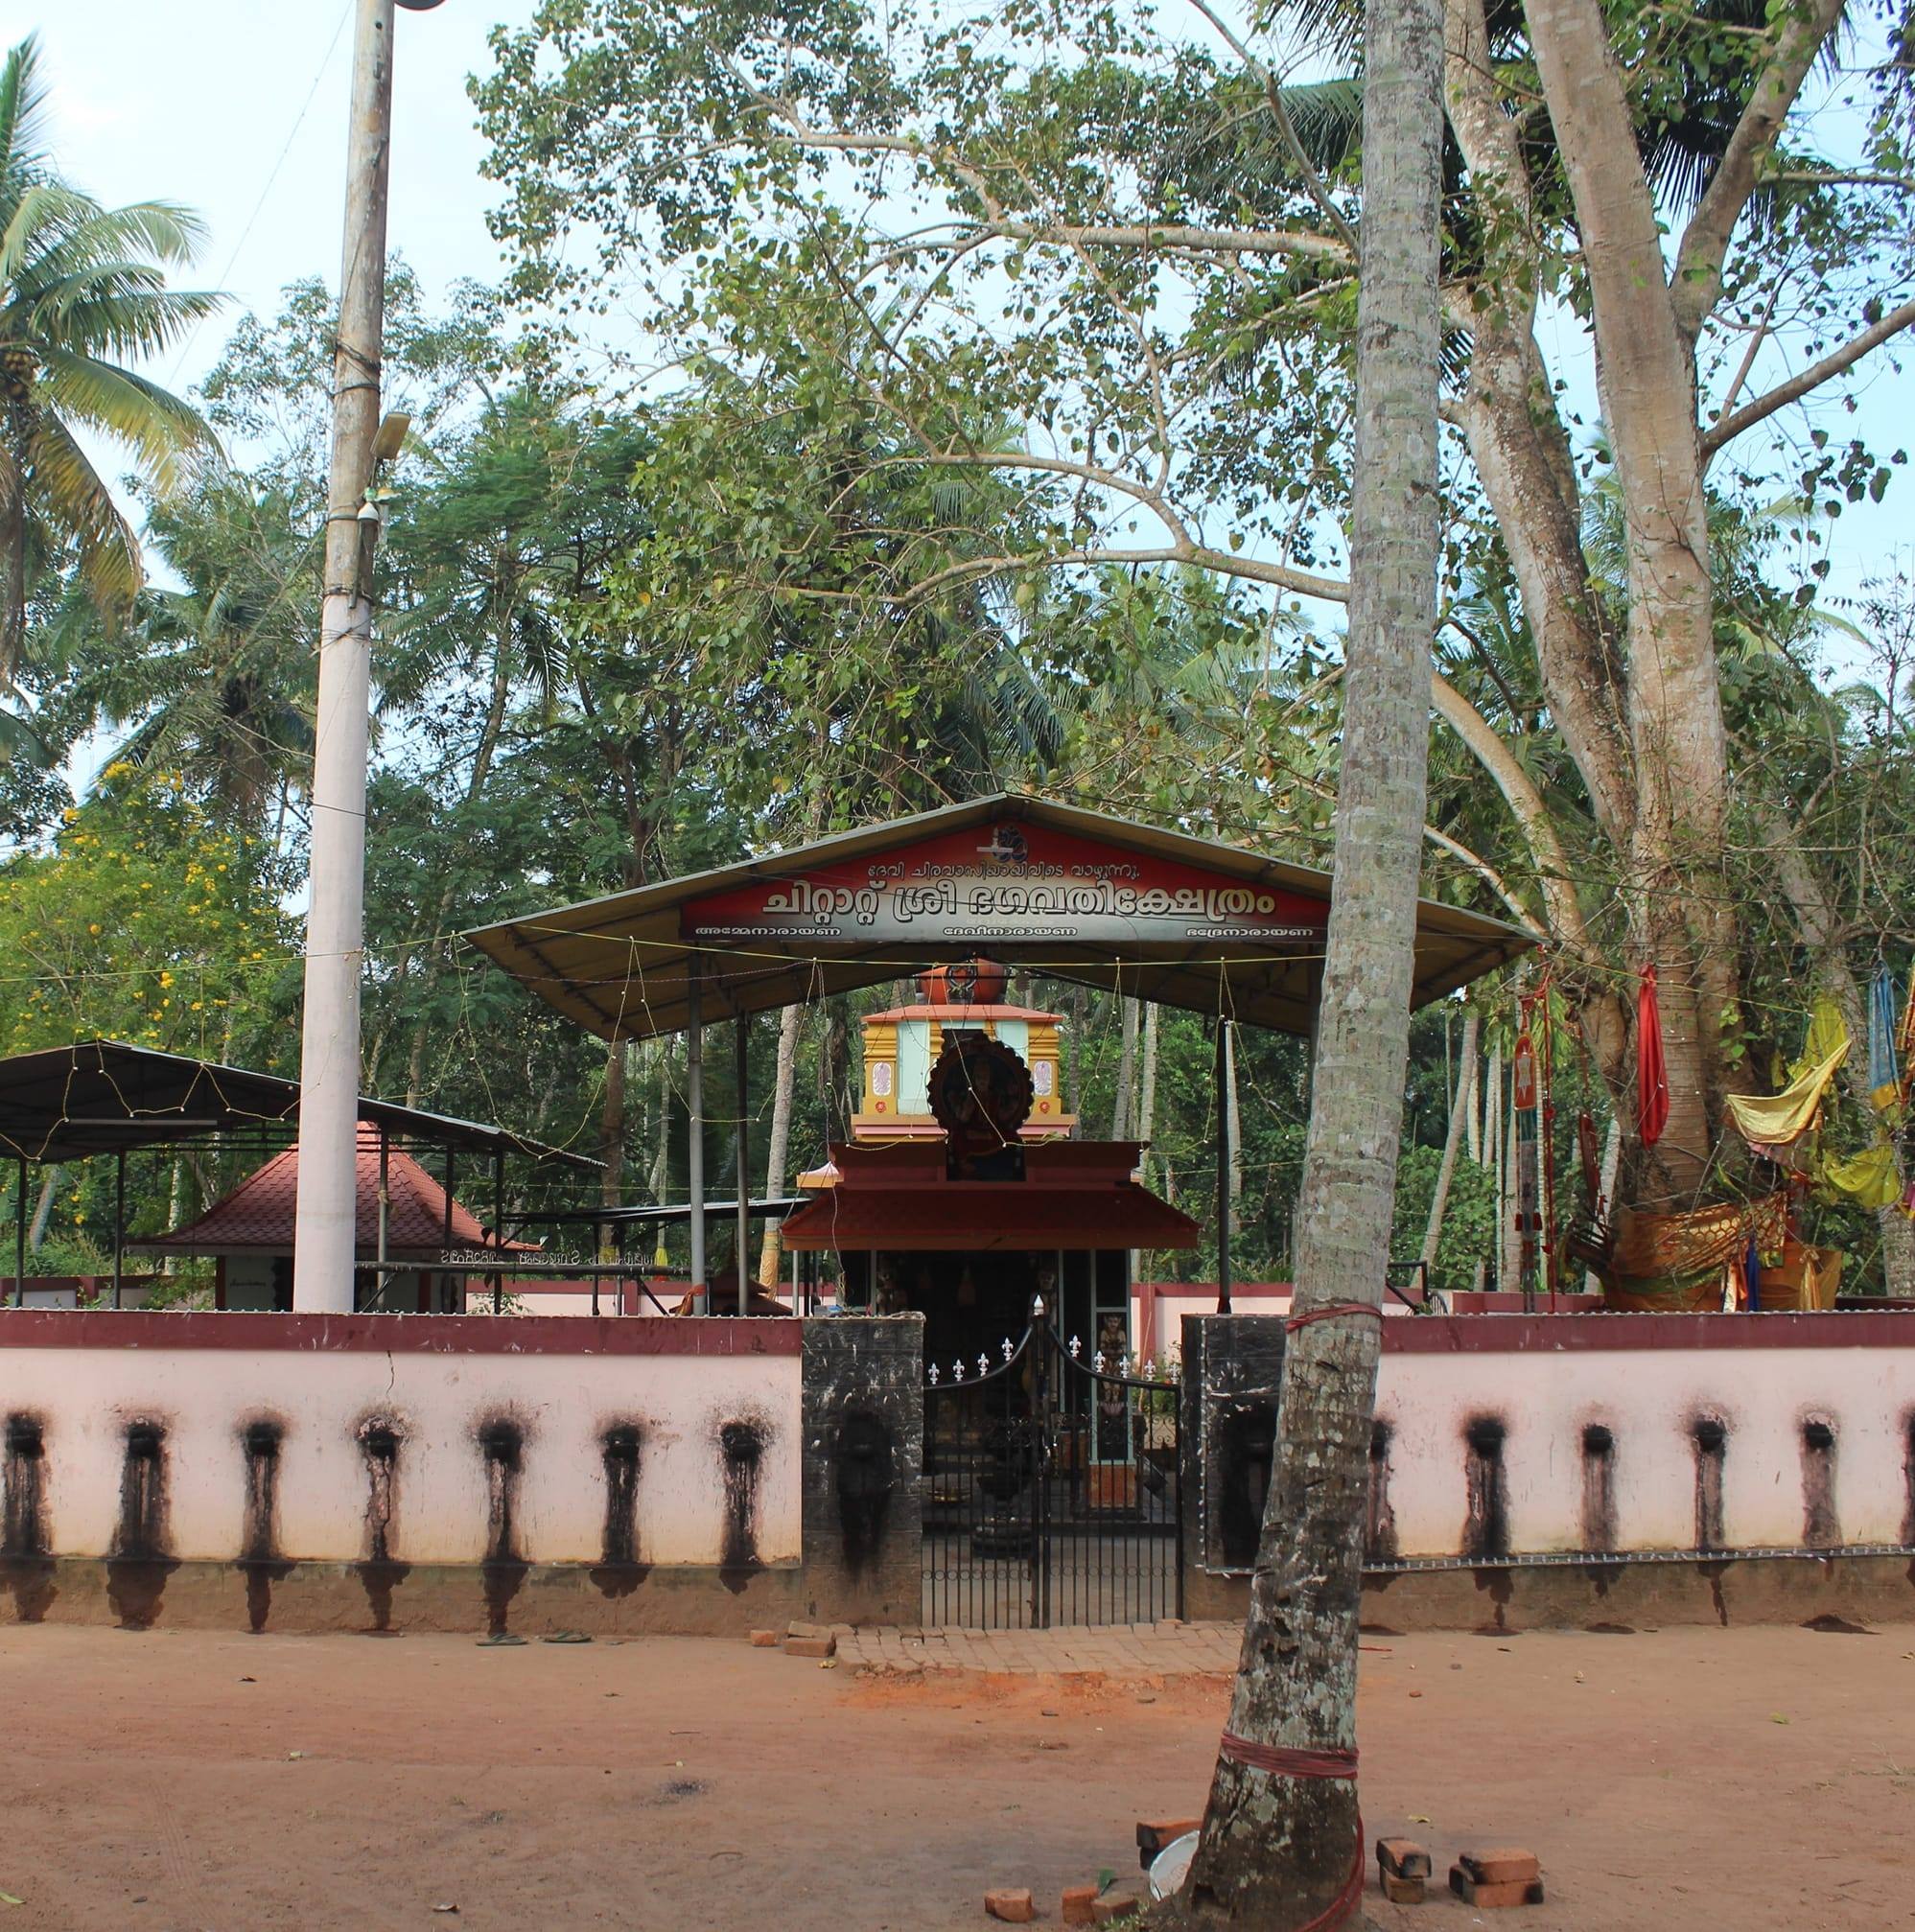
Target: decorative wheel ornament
x: 980, y: 1092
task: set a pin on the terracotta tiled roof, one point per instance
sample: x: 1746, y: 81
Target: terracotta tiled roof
x: 257, y: 1216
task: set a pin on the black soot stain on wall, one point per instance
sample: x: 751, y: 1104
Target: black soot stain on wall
x: 741, y: 1445
x: 1379, y: 1520
x: 501, y: 1442
x: 1821, y: 1524
x: 138, y: 1565
x: 1487, y: 1520
x: 260, y: 1561
x: 619, y: 1570
x: 1246, y: 1447
x: 1710, y: 1434
x: 866, y: 1479
x: 26, y: 1527
x: 379, y: 1571
x: 1598, y: 1488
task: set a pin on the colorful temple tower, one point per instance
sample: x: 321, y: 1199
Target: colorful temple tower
x: 903, y: 1043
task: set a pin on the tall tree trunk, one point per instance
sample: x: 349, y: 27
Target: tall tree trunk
x: 1508, y: 1237
x: 778, y: 1155
x: 658, y: 1180
x: 1462, y: 1109
x: 1146, y: 1096
x: 1605, y: 1188
x: 1681, y: 915
x: 612, y: 1134
x: 1279, y: 1850
x: 1076, y: 1004
x: 1127, y: 1072
x: 1473, y: 1112
x: 1147, y: 1108
x: 36, y: 1233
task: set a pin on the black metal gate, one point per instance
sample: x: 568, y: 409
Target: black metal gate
x: 1051, y: 1490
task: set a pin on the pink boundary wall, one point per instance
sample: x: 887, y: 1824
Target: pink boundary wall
x: 560, y: 1381
x: 1649, y: 1381
x: 1771, y: 1379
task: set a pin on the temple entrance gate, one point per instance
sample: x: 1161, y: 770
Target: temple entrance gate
x: 1052, y: 1488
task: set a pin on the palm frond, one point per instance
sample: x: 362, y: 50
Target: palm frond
x: 22, y: 110
x: 64, y: 488
x: 153, y: 423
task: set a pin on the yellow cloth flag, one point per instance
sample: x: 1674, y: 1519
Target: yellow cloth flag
x: 1867, y: 1178
x: 1772, y: 1121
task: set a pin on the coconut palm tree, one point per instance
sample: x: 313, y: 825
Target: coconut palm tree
x: 221, y: 685
x: 83, y: 294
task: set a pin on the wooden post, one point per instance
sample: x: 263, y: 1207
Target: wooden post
x: 694, y: 1102
x: 385, y: 1216
x: 119, y: 1223
x: 446, y: 1231
x: 498, y: 1226
x: 1222, y: 1167
x: 741, y: 1044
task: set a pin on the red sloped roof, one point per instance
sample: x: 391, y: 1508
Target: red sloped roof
x: 1074, y: 1195
x: 258, y: 1215
x: 984, y: 1215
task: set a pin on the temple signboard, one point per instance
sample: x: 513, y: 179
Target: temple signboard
x: 1008, y: 884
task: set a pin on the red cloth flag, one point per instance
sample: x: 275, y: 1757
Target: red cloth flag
x: 1651, y: 1071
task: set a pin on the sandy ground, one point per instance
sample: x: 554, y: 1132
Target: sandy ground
x: 1739, y: 1779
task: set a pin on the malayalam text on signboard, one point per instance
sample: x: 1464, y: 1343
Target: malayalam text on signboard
x: 1008, y: 884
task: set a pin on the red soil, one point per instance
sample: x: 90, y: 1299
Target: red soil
x: 1749, y: 1778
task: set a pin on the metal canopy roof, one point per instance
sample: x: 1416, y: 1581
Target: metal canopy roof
x: 103, y: 1096
x: 619, y: 966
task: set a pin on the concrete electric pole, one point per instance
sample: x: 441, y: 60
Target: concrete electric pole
x: 325, y: 1225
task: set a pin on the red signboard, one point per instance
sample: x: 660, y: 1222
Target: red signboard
x: 1008, y: 884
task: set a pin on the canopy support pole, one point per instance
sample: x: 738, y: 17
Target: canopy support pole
x: 119, y: 1223
x: 1222, y: 1082
x: 384, y: 1213
x: 446, y: 1234
x: 498, y: 1226
x: 20, y: 1240
x: 741, y: 1031
x: 694, y: 1105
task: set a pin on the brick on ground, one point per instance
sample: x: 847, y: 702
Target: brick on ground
x: 1405, y: 1857
x: 1484, y: 1895
x: 1076, y: 1905
x: 1013, y: 1906
x: 810, y: 1646
x: 1501, y: 1865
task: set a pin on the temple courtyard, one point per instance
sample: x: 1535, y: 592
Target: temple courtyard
x: 176, y: 1781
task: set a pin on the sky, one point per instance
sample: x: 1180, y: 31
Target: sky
x: 237, y: 109
x: 242, y: 117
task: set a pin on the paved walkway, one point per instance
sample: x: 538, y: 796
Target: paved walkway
x: 1169, y: 1649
